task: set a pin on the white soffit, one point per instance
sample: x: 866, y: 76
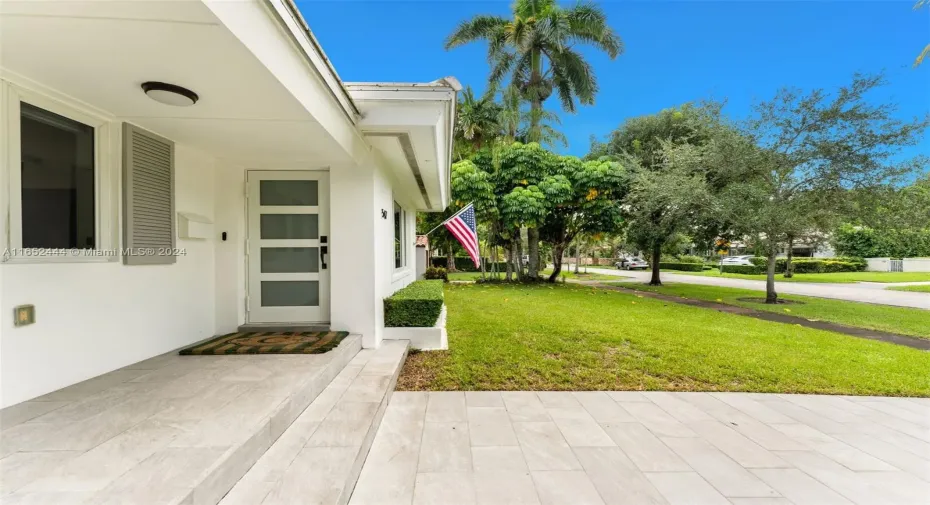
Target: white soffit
x: 100, y: 52
x: 411, y: 125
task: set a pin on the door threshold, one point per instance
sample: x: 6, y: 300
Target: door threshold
x: 281, y: 327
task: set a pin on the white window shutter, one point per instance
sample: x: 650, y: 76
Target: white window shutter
x: 148, y: 198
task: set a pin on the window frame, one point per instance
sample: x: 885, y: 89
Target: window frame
x: 11, y: 96
x: 399, y: 212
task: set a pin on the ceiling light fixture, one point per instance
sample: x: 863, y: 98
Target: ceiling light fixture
x: 169, y: 94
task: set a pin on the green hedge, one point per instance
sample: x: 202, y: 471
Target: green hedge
x: 684, y: 258
x: 864, y: 242
x: 742, y: 269
x: 466, y: 264
x: 685, y: 267
x: 813, y: 265
x: 418, y: 304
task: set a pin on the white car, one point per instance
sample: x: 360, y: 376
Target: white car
x: 631, y: 264
x: 737, y: 260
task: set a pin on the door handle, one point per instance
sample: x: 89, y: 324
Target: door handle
x: 323, y: 250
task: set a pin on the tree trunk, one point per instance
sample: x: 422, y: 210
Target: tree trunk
x: 518, y: 245
x: 789, y: 268
x: 770, y: 295
x: 656, y: 257
x: 509, y: 264
x: 557, y: 251
x: 532, y: 267
x: 450, y: 258
x: 577, y: 257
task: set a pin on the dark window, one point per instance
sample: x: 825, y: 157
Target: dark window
x: 58, y: 207
x: 398, y: 236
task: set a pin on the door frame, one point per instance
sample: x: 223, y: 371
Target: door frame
x: 252, y: 177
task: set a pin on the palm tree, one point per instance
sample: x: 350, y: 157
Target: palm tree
x: 476, y: 119
x: 536, y: 48
x: 514, y: 120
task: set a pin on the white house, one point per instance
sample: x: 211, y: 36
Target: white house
x: 173, y: 170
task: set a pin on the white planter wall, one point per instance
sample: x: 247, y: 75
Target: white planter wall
x: 425, y: 339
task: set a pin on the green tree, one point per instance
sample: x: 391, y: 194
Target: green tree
x: 666, y: 201
x: 803, y: 153
x: 477, y: 122
x: 582, y: 198
x: 515, y: 120
x: 671, y: 185
x: 536, y: 48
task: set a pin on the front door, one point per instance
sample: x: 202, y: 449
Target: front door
x: 287, y: 247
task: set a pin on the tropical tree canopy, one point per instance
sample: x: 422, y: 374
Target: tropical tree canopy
x: 536, y: 49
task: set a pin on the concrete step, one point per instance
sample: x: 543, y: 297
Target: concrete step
x: 171, y: 429
x: 319, y: 457
x: 258, y: 328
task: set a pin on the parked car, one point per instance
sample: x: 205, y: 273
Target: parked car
x: 737, y: 260
x: 631, y: 264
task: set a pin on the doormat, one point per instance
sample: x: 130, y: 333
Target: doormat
x: 268, y: 342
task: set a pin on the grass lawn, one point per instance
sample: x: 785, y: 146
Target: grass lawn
x: 901, y: 320
x: 464, y: 276
x: 570, y: 337
x: 836, y: 277
x: 580, y: 276
x: 471, y: 276
x: 925, y: 288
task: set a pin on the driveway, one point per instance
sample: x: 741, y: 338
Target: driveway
x: 627, y: 447
x: 864, y: 292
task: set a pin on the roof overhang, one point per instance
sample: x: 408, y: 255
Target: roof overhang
x: 411, y: 124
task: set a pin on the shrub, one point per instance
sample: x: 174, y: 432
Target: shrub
x: 465, y: 264
x: 685, y: 267
x: 418, y: 304
x: 742, y: 269
x: 820, y: 266
x: 865, y: 242
x: 433, y: 273
x: 689, y: 259
x: 761, y: 261
x: 813, y: 265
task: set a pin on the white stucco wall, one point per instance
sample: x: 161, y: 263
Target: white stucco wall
x: 916, y: 264
x: 92, y: 318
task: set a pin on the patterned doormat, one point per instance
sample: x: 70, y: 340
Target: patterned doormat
x: 269, y: 342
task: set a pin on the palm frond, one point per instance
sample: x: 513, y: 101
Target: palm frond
x: 923, y: 55
x: 476, y: 28
x: 501, y: 66
x: 579, y: 73
x: 588, y: 24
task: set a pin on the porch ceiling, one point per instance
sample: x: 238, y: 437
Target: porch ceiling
x: 101, y: 52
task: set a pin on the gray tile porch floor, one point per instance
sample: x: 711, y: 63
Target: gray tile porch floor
x: 171, y: 429
x: 553, y: 448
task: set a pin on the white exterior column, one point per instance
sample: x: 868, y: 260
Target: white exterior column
x: 354, y: 306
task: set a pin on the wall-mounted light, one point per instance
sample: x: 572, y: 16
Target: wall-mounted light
x: 169, y: 94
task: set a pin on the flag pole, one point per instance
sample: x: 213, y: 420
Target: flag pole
x: 447, y: 220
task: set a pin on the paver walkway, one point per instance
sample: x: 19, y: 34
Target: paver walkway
x: 858, y: 292
x: 553, y: 448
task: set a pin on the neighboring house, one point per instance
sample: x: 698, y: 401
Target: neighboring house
x: 255, y: 188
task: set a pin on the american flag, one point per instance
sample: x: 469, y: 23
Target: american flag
x: 462, y: 227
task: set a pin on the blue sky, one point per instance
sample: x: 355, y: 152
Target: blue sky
x: 740, y: 51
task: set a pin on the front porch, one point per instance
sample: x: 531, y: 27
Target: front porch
x: 170, y: 429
